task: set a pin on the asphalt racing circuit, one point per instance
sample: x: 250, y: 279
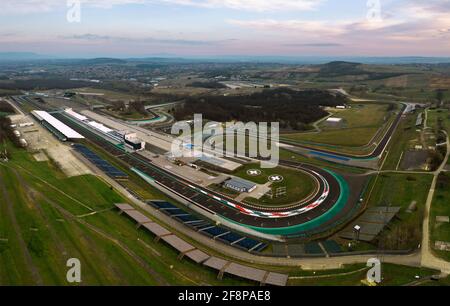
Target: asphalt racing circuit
x: 366, y: 161
x: 370, y: 160
x: 329, y: 205
x: 322, y: 208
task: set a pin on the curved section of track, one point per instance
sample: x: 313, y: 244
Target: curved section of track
x: 378, y: 151
x: 375, y: 153
x: 332, y: 195
x: 302, y: 207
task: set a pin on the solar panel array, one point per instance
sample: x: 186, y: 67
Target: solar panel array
x: 207, y: 228
x: 100, y: 163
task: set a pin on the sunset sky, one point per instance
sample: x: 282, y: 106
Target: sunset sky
x: 227, y: 27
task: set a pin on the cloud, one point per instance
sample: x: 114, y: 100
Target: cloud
x: 39, y: 6
x: 310, y: 28
x: 253, y: 5
x: 88, y: 37
x: 318, y: 45
x: 35, y: 6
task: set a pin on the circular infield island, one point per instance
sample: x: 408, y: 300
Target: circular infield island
x: 294, y: 187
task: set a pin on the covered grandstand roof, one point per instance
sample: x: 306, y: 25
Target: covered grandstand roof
x: 197, y: 256
x: 125, y: 207
x: 371, y: 223
x: 156, y: 229
x: 178, y: 243
x: 100, y: 127
x: 70, y: 112
x: 137, y: 216
x: 216, y: 263
x: 56, y: 124
x: 246, y: 272
x: 276, y: 279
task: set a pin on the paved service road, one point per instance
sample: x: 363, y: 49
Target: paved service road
x: 428, y: 258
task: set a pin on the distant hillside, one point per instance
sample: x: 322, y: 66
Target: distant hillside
x: 103, y: 61
x: 21, y: 56
x: 209, y: 85
x: 341, y: 68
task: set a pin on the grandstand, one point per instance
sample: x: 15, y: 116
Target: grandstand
x: 207, y: 228
x: 122, y: 138
x: 371, y: 223
x: 56, y: 127
x: 185, y: 249
x: 100, y: 163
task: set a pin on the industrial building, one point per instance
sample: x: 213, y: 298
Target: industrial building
x: 239, y: 185
x: 56, y: 127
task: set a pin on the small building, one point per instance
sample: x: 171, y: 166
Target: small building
x: 134, y: 142
x: 239, y: 185
x: 334, y: 121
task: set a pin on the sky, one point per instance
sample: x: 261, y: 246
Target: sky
x: 136, y: 28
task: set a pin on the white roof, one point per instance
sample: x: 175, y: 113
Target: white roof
x: 58, y: 125
x: 70, y: 112
x: 100, y: 127
x: 333, y: 119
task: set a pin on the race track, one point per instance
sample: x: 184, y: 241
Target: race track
x: 307, y: 216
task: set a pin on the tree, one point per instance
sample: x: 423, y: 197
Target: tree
x: 440, y: 95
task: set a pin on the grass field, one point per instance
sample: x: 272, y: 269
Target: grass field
x: 291, y: 156
x: 439, y: 114
x: 298, y: 184
x: 396, y: 190
x: 362, y: 122
x: 46, y: 219
x: 403, y: 139
x: 441, y: 207
x: 392, y: 275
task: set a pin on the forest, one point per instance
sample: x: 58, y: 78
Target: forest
x: 292, y: 109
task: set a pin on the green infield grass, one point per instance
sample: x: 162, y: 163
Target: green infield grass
x: 361, y: 123
x: 298, y: 184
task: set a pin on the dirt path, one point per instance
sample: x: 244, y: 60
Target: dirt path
x: 428, y: 258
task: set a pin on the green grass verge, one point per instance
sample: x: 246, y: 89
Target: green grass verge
x: 298, y: 184
x: 441, y: 207
x: 362, y: 122
x: 396, y: 190
x: 50, y: 232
